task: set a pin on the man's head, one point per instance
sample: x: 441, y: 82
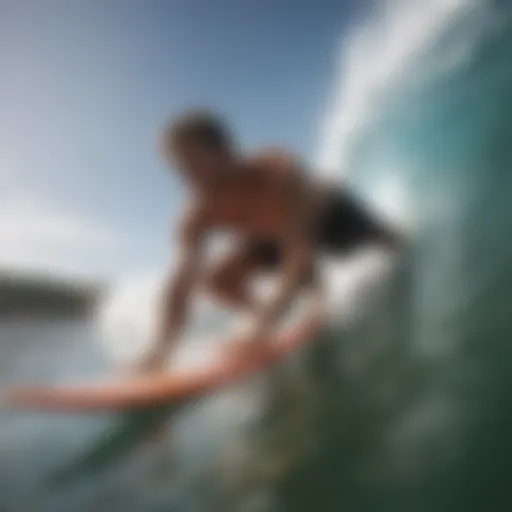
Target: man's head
x: 200, y: 146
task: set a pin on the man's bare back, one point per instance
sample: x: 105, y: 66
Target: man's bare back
x: 281, y: 217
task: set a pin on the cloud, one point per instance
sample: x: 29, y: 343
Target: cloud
x: 37, y: 234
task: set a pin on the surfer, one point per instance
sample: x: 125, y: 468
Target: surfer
x: 283, y: 220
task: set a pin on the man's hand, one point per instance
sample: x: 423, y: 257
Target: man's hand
x: 254, y: 341
x: 153, y: 361
x: 259, y: 335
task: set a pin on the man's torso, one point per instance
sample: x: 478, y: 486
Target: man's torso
x: 254, y: 203
x: 255, y: 200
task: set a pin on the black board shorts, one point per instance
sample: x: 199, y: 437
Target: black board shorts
x: 343, y: 226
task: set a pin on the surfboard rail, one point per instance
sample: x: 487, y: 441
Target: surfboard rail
x: 143, y: 391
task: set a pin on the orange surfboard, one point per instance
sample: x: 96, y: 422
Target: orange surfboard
x: 150, y: 390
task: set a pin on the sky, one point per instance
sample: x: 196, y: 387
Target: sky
x: 87, y: 84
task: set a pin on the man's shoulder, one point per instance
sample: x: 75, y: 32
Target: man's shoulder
x: 276, y: 162
x: 273, y: 156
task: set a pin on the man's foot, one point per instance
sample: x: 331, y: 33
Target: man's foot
x: 242, y: 347
x: 240, y: 351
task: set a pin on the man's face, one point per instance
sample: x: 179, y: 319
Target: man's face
x: 199, y: 164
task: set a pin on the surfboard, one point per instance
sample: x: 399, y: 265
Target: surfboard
x: 142, y: 391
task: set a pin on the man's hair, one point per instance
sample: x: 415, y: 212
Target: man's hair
x: 198, y: 126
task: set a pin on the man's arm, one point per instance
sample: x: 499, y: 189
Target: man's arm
x: 296, y: 246
x: 297, y: 263
x: 177, y: 292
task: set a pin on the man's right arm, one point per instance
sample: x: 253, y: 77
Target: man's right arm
x: 177, y: 292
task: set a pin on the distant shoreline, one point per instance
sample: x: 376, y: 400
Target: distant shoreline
x: 43, y: 296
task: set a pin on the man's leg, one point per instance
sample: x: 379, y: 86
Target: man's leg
x: 228, y: 281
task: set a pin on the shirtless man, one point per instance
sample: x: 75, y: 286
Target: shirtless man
x: 283, y: 220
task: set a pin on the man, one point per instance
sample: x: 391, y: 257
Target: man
x: 283, y: 220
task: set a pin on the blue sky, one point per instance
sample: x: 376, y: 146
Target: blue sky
x: 86, y: 85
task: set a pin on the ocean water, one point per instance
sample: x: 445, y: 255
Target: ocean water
x: 402, y: 407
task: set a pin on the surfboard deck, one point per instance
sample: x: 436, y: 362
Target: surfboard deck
x: 143, y: 391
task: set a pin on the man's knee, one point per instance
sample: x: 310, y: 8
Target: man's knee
x: 217, y: 281
x: 226, y: 283
x: 226, y: 289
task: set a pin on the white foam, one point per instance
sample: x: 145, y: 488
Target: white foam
x: 379, y: 55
